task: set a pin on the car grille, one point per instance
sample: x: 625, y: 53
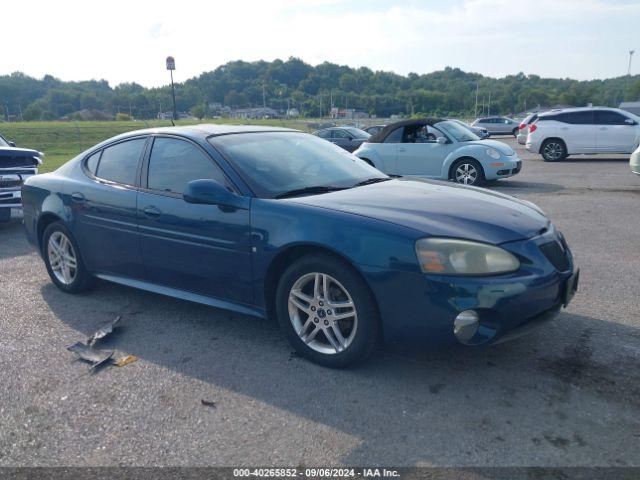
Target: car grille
x: 557, y: 254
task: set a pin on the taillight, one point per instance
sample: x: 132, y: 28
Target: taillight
x: 533, y: 128
x: 522, y: 126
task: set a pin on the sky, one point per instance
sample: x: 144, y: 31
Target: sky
x: 128, y: 41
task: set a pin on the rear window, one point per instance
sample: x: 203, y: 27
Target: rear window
x: 119, y: 163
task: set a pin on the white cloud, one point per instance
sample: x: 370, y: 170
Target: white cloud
x: 129, y: 40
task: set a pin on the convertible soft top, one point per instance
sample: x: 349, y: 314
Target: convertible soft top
x: 382, y: 134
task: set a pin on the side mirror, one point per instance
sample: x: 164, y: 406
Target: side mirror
x: 441, y: 140
x: 12, y: 144
x: 629, y: 121
x: 211, y: 192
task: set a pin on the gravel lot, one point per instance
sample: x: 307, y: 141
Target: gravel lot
x: 566, y: 395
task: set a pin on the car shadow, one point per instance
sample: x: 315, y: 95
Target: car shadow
x: 541, y: 392
x: 12, y: 239
x: 523, y: 186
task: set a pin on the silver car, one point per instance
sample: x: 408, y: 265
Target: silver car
x: 498, y: 125
x: 523, y: 129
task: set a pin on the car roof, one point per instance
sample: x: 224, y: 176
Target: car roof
x: 382, y: 134
x: 205, y: 130
x: 577, y: 109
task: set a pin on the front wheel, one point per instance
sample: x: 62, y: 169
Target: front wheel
x: 467, y: 171
x: 327, y: 312
x: 553, y: 150
x: 515, y: 132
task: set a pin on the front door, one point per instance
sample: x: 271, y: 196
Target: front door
x: 614, y: 133
x: 420, y: 154
x: 203, y: 249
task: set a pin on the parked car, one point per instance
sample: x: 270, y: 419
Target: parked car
x: 586, y: 130
x: 275, y: 222
x: 482, y: 133
x: 498, y: 125
x: 439, y: 149
x: 349, y: 138
x: 523, y: 128
x: 16, y: 165
x: 373, y: 129
x: 635, y: 161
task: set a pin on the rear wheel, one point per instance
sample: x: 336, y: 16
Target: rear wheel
x: 63, y: 261
x: 515, y: 132
x: 553, y: 150
x: 327, y: 312
x: 467, y: 171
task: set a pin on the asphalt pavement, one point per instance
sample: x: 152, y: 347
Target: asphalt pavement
x: 566, y: 395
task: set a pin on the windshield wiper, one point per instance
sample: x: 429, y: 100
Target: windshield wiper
x: 308, y: 190
x: 369, y: 181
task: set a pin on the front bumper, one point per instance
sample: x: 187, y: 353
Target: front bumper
x: 634, y: 163
x: 10, y: 199
x: 421, y: 309
x: 503, y: 168
x: 11, y: 181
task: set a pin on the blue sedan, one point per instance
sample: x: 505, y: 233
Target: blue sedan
x: 439, y: 149
x: 278, y: 223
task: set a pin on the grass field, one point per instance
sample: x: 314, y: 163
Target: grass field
x: 61, y: 141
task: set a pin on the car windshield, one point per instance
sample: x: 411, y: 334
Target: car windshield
x: 3, y: 142
x: 457, y: 131
x: 356, y: 132
x: 274, y: 163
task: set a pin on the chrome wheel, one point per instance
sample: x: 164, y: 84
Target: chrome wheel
x: 322, y: 313
x: 466, y: 173
x: 553, y: 151
x: 62, y: 258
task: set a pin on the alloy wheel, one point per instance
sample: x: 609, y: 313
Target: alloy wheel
x: 62, y: 258
x: 553, y: 151
x: 322, y: 313
x: 466, y: 174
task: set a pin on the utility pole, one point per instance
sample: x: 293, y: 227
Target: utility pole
x: 489, y: 104
x: 475, y: 110
x: 264, y: 97
x: 171, y: 66
x: 631, y: 52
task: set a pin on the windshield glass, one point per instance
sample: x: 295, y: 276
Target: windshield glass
x: 3, y: 142
x: 356, y: 132
x: 457, y: 131
x: 273, y: 163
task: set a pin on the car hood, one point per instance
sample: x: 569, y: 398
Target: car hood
x: 502, y: 147
x: 9, y: 155
x: 439, y: 209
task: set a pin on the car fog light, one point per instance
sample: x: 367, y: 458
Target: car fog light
x: 466, y: 325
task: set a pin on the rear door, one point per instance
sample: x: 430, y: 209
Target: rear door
x: 577, y: 130
x: 342, y: 138
x: 203, y: 249
x: 614, y: 132
x: 104, y: 209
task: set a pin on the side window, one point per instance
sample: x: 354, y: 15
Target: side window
x: 174, y: 163
x: 576, y: 118
x: 340, y: 134
x: 324, y: 134
x: 119, y: 163
x: 395, y: 136
x: 92, y: 162
x: 607, y: 117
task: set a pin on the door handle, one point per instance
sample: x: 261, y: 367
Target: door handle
x: 151, y: 212
x: 602, y: 128
x: 402, y: 149
x: 77, y: 197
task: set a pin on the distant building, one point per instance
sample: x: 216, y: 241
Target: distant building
x: 181, y: 116
x: 347, y: 113
x: 260, y: 112
x: 293, y: 112
x: 631, y: 107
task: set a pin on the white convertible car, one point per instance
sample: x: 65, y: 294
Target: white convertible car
x: 440, y: 149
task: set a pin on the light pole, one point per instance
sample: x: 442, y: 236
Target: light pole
x: 631, y: 52
x: 171, y: 66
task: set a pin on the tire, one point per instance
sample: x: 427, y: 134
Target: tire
x: 467, y: 171
x: 310, y: 326
x: 67, y: 271
x: 515, y: 132
x: 553, y: 150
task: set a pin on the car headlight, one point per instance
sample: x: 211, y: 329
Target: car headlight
x: 493, y: 153
x: 448, y: 256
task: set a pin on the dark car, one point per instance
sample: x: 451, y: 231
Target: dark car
x: 349, y: 138
x: 274, y: 222
x: 16, y: 165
